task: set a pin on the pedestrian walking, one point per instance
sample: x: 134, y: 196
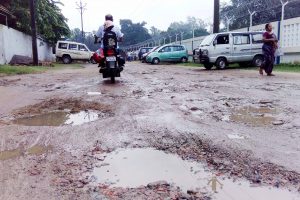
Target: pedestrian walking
x: 269, y: 47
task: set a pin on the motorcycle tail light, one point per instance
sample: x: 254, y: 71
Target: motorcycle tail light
x: 110, y: 52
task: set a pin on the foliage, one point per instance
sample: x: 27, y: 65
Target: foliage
x: 187, y: 27
x: 134, y: 32
x: 266, y: 11
x: 88, y: 39
x: 51, y: 24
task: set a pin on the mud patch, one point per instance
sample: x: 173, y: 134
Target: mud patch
x: 59, y: 119
x: 72, y: 105
x: 261, y: 116
x: 39, y: 150
x: 10, y: 154
x: 19, y: 152
x: 131, y: 168
x: 6, y: 82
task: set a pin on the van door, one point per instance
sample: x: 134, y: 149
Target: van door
x: 73, y: 51
x: 241, y: 49
x: 84, y: 52
x: 165, y: 54
x: 221, y: 48
x: 257, y: 43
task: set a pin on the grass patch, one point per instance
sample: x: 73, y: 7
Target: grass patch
x: 14, y: 70
x: 190, y: 64
x: 287, y: 68
x: 18, y: 70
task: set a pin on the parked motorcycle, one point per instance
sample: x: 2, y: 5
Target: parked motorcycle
x: 110, y: 61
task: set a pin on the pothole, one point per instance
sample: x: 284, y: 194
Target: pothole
x: 59, y: 112
x: 15, y: 153
x: 59, y: 119
x: 262, y: 116
x: 132, y: 168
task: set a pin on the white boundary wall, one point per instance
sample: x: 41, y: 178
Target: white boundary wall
x: 13, y: 42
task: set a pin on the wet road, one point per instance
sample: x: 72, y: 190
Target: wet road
x: 167, y: 107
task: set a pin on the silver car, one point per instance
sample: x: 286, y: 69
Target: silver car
x: 222, y: 49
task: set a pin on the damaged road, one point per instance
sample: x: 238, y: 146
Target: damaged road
x: 58, y: 128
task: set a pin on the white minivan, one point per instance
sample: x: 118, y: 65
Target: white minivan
x: 68, y: 51
x: 222, y: 49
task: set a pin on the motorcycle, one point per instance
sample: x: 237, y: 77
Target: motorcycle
x: 109, y: 59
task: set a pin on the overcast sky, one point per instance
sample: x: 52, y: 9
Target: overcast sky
x: 158, y: 13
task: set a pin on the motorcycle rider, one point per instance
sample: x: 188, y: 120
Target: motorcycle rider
x: 101, y: 31
x: 115, y: 29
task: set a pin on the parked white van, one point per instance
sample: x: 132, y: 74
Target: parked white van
x: 222, y: 49
x: 68, y: 51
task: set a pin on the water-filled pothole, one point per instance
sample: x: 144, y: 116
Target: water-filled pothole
x: 59, y: 118
x: 15, y: 153
x: 261, y: 116
x: 131, y: 168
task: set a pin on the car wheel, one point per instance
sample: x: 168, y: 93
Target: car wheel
x: 221, y: 63
x: 155, y: 61
x: 208, y: 66
x: 66, y: 59
x: 93, y: 61
x: 258, y: 61
x: 184, y: 59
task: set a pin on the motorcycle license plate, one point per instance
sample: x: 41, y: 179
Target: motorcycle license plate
x: 111, y: 59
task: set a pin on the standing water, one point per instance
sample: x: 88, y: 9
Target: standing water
x: 135, y: 167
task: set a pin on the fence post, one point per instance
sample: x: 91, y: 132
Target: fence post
x: 279, y: 38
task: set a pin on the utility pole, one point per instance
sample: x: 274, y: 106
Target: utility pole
x: 170, y: 37
x: 216, y: 28
x: 33, y: 33
x: 82, y: 8
x: 176, y: 38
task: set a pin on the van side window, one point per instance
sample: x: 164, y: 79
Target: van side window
x: 63, y: 46
x: 82, y: 48
x: 222, y: 39
x: 257, y: 38
x: 241, y: 39
x: 73, y: 47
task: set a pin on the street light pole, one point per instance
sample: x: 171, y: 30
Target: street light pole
x: 181, y: 37
x: 251, y: 18
x: 228, y: 22
x: 170, y: 37
x: 176, y: 38
x: 33, y: 33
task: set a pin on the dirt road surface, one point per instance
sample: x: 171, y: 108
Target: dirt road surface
x: 237, y: 123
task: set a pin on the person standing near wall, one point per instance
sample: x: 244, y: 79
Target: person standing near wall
x: 269, y: 48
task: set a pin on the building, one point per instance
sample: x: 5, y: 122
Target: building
x: 6, y: 17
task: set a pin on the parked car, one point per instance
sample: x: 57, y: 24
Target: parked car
x: 143, y: 50
x: 68, y: 51
x: 168, y: 53
x: 146, y: 54
x: 222, y: 49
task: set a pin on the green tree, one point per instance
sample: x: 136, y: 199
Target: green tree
x: 51, y: 24
x: 133, y: 32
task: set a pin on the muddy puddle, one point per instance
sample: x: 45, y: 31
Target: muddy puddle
x: 261, y: 116
x: 131, y: 168
x: 35, y: 150
x: 58, y: 119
